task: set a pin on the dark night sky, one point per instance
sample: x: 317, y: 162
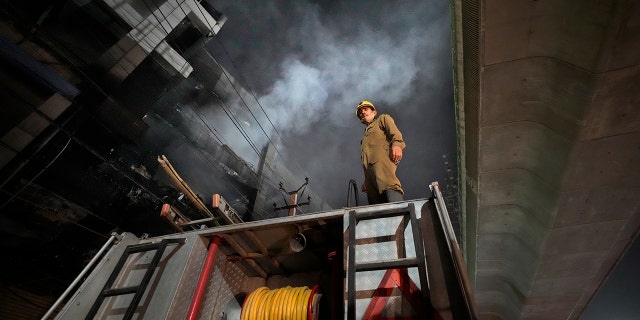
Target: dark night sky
x: 618, y: 298
x: 310, y: 62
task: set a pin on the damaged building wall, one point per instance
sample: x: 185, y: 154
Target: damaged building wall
x: 91, y: 168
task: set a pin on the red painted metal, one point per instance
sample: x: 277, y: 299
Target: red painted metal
x: 202, y: 281
x: 314, y: 290
x: 395, y: 278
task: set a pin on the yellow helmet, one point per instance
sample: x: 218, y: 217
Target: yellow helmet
x: 364, y: 103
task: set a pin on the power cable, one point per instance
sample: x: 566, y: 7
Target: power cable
x: 231, y: 115
x: 247, y: 84
x: 225, y: 107
x: 37, y: 175
x: 244, y: 103
x: 237, y: 124
x: 58, y: 215
x: 91, y: 150
x: 252, y: 94
x: 213, y: 130
x: 206, y: 158
x: 165, y: 19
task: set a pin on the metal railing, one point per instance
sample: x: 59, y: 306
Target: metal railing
x: 352, y: 186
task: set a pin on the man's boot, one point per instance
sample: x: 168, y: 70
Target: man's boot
x: 393, y: 195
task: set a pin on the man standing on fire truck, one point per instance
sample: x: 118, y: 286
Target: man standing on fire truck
x: 381, y: 151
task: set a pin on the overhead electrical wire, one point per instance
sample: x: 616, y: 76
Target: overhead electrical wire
x: 250, y: 91
x: 62, y: 217
x: 71, y: 134
x: 238, y: 125
x: 227, y: 111
x: 225, y: 107
x: 207, y: 159
x: 72, y: 137
x: 243, y: 132
x: 37, y: 175
x: 252, y: 144
x: 72, y: 59
x: 247, y: 84
x: 244, y: 103
x: 15, y: 195
x: 213, y: 130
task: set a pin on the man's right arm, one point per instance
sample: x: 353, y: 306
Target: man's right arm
x: 394, y: 136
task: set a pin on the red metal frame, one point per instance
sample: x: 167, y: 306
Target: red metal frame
x: 204, y: 277
x: 396, y: 278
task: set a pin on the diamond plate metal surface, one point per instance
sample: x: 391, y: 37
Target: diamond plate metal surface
x: 173, y: 286
x: 224, y: 284
x: 382, y: 226
x: 382, y: 250
x: 224, y: 289
x: 376, y: 240
x: 197, y: 253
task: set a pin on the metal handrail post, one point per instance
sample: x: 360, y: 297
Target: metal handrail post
x: 352, y: 184
x: 80, y: 276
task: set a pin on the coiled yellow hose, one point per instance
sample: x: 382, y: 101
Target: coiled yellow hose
x: 286, y: 303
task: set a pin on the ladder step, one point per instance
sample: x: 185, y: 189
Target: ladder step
x: 139, y: 289
x: 359, y: 216
x: 120, y: 291
x: 143, y: 247
x: 401, y: 263
x: 387, y: 264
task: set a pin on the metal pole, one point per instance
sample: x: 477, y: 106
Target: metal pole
x: 80, y: 276
x: 293, y: 200
x: 456, y: 255
x: 352, y: 185
x: 204, y: 277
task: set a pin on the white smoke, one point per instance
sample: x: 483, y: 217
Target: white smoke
x: 309, y: 64
x: 338, y: 71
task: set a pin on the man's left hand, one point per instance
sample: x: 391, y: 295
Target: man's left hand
x: 395, y: 154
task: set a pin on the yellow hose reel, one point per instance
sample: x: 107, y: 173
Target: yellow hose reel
x: 288, y: 303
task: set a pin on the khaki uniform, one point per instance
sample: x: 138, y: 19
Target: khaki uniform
x: 380, y: 172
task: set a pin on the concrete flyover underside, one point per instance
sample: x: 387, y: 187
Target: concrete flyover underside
x: 548, y: 106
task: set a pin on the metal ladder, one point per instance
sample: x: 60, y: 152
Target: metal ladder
x: 138, y: 290
x: 401, y: 263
